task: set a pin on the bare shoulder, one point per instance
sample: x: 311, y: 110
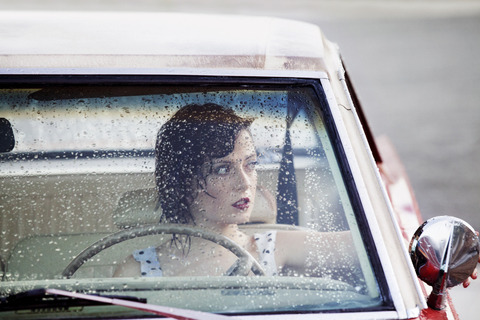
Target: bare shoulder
x: 309, y: 235
x: 290, y: 246
x: 292, y: 235
x: 296, y: 245
x: 128, y: 268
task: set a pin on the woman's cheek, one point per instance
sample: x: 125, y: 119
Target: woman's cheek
x: 213, y: 184
x: 216, y: 187
x: 254, y: 179
x: 222, y: 183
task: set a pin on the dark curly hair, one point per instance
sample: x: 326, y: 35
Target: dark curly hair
x: 194, y: 135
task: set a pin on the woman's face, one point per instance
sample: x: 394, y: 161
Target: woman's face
x: 228, y: 194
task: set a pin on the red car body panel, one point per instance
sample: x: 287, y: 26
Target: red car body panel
x: 407, y: 213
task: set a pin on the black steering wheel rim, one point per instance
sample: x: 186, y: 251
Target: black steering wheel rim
x: 242, y: 267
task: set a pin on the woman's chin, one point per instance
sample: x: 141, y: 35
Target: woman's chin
x: 232, y: 217
x: 240, y: 217
x: 244, y: 217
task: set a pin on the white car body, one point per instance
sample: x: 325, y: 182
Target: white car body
x: 67, y: 44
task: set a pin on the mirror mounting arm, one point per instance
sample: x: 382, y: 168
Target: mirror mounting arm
x: 437, y: 297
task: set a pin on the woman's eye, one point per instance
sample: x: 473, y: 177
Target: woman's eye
x: 252, y: 164
x: 222, y: 170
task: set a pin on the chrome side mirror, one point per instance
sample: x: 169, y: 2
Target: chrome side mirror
x: 444, y: 251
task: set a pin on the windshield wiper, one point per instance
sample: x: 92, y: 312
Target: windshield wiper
x: 42, y: 298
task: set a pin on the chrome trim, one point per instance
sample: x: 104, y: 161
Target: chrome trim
x: 367, y: 206
x: 165, y: 71
x: 341, y: 76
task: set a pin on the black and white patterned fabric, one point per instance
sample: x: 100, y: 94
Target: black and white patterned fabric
x: 149, y: 264
x: 266, y: 250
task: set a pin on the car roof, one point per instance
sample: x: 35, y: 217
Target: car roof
x: 158, y: 40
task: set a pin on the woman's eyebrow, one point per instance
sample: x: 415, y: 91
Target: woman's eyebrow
x: 221, y: 161
x: 253, y: 155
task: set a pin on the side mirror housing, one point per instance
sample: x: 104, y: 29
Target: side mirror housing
x: 444, y: 252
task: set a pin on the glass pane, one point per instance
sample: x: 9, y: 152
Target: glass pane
x: 256, y: 166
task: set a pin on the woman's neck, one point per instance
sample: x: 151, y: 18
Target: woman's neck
x: 230, y: 231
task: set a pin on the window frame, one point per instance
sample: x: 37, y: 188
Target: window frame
x: 335, y: 127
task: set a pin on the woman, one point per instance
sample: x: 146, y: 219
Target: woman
x: 206, y: 177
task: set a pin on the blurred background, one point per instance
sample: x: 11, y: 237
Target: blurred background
x: 416, y: 67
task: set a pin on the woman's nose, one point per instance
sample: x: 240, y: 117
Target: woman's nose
x: 242, y: 179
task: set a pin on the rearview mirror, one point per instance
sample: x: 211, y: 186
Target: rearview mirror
x: 444, y: 252
x: 7, y: 139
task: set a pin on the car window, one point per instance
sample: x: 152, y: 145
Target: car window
x: 84, y: 166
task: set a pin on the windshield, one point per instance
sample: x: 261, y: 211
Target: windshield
x: 219, y: 199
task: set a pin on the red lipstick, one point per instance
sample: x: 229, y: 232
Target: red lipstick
x: 242, y: 204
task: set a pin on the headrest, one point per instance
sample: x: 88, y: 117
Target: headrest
x: 136, y: 208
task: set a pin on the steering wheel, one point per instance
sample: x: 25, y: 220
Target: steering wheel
x: 241, y: 267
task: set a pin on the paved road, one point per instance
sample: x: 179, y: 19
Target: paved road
x: 416, y: 67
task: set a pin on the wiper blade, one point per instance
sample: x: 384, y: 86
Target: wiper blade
x: 41, y: 298
x: 176, y: 313
x: 48, y: 298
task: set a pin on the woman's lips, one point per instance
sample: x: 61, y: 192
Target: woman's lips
x: 242, y: 204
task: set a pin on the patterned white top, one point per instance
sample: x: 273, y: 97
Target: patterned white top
x: 149, y: 264
x: 266, y: 250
